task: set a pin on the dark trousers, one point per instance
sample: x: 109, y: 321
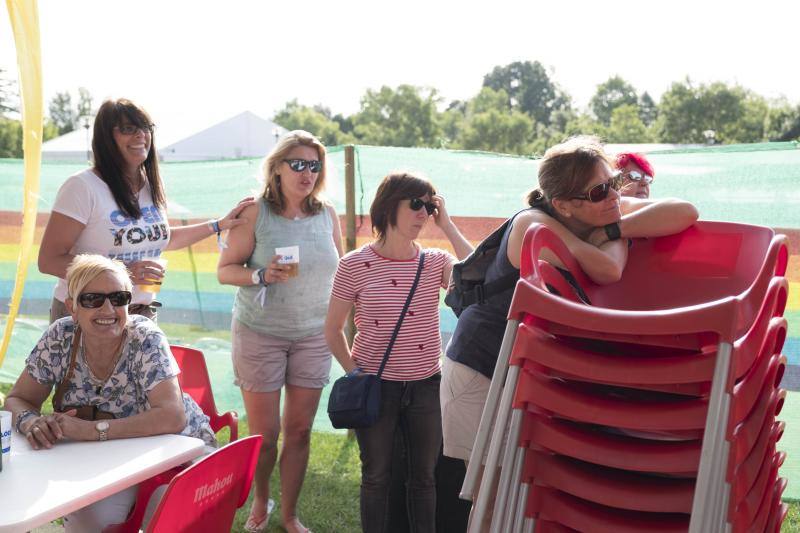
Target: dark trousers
x: 412, y: 408
x: 452, y: 513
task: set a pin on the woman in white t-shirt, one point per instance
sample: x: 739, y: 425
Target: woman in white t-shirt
x: 117, y: 209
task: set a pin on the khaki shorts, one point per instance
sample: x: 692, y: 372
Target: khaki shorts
x: 263, y: 363
x: 462, y: 395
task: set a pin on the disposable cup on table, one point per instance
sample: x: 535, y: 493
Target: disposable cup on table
x: 5, y: 435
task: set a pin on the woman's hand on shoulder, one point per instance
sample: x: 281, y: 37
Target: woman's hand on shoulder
x: 235, y: 216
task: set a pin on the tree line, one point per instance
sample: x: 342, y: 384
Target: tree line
x: 63, y: 116
x: 520, y: 109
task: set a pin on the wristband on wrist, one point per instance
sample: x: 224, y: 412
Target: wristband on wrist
x: 257, y: 277
x: 23, y: 416
x: 213, y: 225
x: 612, y: 231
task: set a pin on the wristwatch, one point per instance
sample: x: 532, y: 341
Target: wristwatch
x: 612, y: 231
x: 102, y: 430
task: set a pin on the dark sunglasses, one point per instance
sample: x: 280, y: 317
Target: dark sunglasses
x: 635, y: 175
x: 299, y: 165
x: 93, y: 300
x: 132, y: 129
x: 418, y: 203
x: 598, y: 193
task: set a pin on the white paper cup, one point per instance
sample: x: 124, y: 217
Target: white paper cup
x: 290, y: 255
x: 5, y: 436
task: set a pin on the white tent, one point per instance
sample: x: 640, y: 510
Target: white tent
x: 245, y: 135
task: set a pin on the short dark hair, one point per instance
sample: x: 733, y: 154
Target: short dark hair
x: 108, y: 160
x: 395, y: 187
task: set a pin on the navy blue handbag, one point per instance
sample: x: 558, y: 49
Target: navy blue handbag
x: 355, y: 400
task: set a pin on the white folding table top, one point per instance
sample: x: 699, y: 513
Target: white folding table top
x: 37, y: 486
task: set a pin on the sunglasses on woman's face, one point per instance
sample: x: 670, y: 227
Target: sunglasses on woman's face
x: 132, y: 129
x: 599, y: 192
x: 93, y: 300
x: 299, y: 165
x: 418, y: 203
x: 637, y: 176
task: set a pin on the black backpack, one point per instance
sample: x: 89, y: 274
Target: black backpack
x: 467, y: 283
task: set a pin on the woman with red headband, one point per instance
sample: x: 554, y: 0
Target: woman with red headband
x: 637, y: 174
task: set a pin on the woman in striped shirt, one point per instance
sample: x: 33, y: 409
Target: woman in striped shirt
x: 376, y: 279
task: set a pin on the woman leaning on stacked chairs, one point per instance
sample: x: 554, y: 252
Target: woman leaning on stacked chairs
x: 117, y: 208
x: 376, y: 280
x: 578, y: 200
x: 114, y: 378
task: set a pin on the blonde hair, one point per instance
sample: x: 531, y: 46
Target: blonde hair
x: 86, y: 267
x: 271, y: 192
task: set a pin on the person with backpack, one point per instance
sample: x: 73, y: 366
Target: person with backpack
x: 578, y: 199
x: 394, y: 284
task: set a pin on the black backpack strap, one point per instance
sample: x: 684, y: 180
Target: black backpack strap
x: 482, y: 292
x: 402, y: 314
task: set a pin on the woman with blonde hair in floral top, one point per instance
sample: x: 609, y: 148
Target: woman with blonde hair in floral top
x: 114, y: 377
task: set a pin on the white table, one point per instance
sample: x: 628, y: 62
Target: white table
x: 37, y: 486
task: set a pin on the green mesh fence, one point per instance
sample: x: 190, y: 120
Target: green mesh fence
x: 756, y: 184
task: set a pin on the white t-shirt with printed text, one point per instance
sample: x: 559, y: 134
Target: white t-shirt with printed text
x: 110, y: 232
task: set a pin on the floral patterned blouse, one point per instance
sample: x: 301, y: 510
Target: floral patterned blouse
x: 145, y: 362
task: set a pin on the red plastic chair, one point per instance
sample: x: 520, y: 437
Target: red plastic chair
x: 716, y: 291
x: 205, y: 496
x: 195, y: 382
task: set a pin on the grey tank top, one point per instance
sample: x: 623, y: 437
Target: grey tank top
x: 296, y: 308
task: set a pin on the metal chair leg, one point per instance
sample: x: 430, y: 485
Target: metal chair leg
x: 489, y: 410
x: 703, y: 517
x: 504, y: 487
x: 495, y: 447
x: 519, y: 519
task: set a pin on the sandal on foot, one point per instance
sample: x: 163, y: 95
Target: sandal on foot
x: 251, y: 526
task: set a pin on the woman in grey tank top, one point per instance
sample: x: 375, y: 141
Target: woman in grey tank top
x: 279, y: 313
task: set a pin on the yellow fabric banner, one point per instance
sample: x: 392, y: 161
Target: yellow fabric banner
x: 24, y: 16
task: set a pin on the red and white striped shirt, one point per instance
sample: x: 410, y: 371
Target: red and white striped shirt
x: 378, y: 287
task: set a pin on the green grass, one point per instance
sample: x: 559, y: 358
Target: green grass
x: 329, y: 501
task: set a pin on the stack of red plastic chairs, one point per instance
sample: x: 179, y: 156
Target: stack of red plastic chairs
x: 653, y: 408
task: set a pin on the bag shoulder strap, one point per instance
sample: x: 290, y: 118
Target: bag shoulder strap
x: 58, y: 395
x: 402, y: 313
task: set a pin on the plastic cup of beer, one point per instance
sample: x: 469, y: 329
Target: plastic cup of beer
x: 5, y: 435
x: 290, y: 255
x: 155, y: 286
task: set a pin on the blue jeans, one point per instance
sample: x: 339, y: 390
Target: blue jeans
x: 411, y: 407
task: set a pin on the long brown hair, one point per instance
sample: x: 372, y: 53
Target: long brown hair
x: 312, y: 204
x: 109, y: 162
x: 565, y: 170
